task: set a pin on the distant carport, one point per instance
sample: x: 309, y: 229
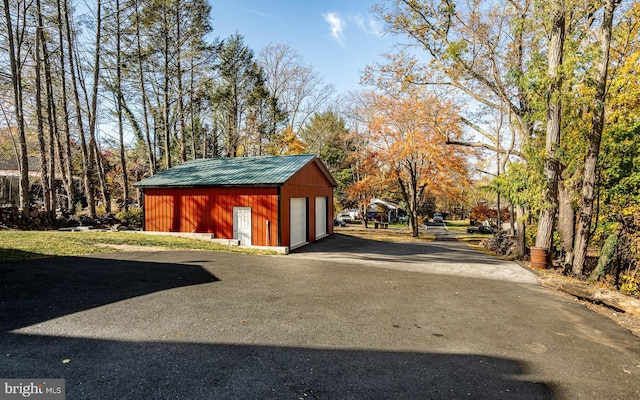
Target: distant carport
x: 386, y: 207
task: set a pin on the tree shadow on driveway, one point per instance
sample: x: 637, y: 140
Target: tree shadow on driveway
x: 99, y: 369
x: 39, y: 290
x: 266, y: 360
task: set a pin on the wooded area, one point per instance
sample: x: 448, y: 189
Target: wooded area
x: 560, y: 78
x: 543, y: 94
x: 105, y: 96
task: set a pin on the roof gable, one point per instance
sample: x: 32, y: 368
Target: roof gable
x: 238, y: 171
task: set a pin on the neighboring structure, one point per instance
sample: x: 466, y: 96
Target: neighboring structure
x: 10, y: 178
x: 383, y: 210
x: 283, y: 201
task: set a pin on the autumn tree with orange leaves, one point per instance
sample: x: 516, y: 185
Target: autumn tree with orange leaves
x: 406, y: 149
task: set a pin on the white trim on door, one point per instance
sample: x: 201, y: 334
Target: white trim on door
x: 242, y: 225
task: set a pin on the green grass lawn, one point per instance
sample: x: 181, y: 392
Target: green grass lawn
x: 461, y: 226
x: 25, y: 245
x: 393, y: 235
x: 458, y: 225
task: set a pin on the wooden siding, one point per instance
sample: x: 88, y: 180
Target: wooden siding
x: 210, y: 210
x: 309, y: 182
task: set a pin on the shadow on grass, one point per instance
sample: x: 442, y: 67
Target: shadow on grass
x: 100, y: 369
x: 14, y: 255
x: 40, y: 290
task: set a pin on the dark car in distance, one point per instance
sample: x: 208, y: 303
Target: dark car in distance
x: 480, y: 229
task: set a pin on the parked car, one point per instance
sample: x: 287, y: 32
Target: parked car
x: 345, y: 216
x: 437, y: 217
x: 339, y: 222
x: 480, y: 229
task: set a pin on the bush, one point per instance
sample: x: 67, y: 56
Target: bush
x: 619, y: 261
x: 501, y: 243
x: 132, y: 217
x: 630, y: 285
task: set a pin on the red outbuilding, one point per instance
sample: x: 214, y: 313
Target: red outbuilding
x: 274, y: 201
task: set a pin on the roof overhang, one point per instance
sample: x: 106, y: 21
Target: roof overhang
x: 325, y: 171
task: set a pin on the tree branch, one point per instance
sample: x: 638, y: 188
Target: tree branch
x: 485, y: 146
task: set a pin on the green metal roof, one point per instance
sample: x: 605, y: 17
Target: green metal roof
x: 238, y: 171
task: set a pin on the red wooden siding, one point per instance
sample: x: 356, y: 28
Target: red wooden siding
x: 210, y: 210
x: 309, y: 182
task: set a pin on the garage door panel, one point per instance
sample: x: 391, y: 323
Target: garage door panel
x: 321, y: 217
x: 298, y: 221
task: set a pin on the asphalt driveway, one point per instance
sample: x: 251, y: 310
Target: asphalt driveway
x: 446, y: 256
x: 331, y: 321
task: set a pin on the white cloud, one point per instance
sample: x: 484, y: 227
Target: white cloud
x: 337, y: 25
x: 375, y: 28
x: 370, y: 26
x: 359, y: 21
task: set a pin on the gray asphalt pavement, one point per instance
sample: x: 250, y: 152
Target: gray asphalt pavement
x: 342, y: 318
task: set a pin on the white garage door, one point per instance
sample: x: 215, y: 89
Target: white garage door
x: 298, y: 221
x: 321, y: 217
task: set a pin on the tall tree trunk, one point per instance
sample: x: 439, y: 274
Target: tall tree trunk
x: 52, y: 121
x: 410, y: 195
x: 546, y: 220
x: 64, y: 152
x: 165, y: 94
x: 151, y: 148
x: 16, y: 84
x: 566, y: 220
x: 205, y: 141
x: 195, y: 138
x: 96, y: 159
x: 44, y: 171
x: 94, y: 155
x: 87, y: 170
x: 102, y: 178
x: 597, y: 125
x: 521, y: 236
x: 183, y: 139
x: 123, y: 158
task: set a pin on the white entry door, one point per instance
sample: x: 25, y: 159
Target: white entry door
x: 298, y: 221
x: 321, y: 217
x: 242, y: 225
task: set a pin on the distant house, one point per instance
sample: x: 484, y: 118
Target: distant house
x: 10, y: 178
x: 383, y: 210
x: 283, y: 201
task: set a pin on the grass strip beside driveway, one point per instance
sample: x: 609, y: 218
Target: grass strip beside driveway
x: 391, y: 235
x: 26, y: 245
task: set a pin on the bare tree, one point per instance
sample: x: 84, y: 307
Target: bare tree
x: 299, y: 89
x: 64, y: 151
x: 44, y: 170
x: 142, y: 86
x: 87, y: 159
x: 119, y: 108
x: 15, y: 41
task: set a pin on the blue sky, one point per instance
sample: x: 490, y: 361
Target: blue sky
x: 338, y: 38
